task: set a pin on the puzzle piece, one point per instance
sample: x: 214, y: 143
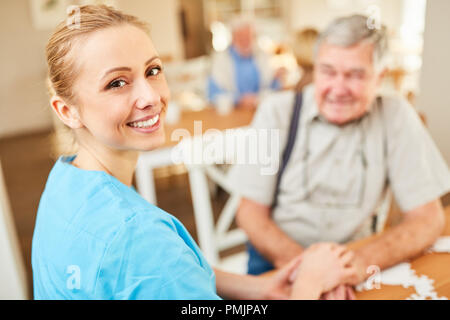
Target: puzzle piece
x: 441, y: 245
x: 402, y: 274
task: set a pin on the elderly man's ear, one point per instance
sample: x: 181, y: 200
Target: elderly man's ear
x: 68, y: 114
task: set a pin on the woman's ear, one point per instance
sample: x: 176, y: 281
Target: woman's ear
x: 66, y: 113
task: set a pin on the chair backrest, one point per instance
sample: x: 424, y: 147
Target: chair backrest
x: 12, y: 271
x: 213, y: 237
x: 144, y: 171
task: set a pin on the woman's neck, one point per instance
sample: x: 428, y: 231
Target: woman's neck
x: 119, y: 164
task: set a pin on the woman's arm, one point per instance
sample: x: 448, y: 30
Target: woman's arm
x: 235, y: 286
x: 275, y: 286
x: 321, y: 268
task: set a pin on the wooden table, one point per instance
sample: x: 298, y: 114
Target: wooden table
x: 435, y: 266
x: 206, y: 119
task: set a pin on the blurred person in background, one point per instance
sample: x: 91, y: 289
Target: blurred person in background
x: 242, y: 71
x: 351, y: 145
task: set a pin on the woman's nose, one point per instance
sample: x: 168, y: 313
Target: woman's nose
x: 146, y: 95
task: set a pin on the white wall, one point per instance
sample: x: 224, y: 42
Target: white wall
x: 23, y: 96
x: 164, y: 23
x: 434, y: 97
x: 319, y: 13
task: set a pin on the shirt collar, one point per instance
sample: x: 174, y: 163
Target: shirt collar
x: 311, y: 112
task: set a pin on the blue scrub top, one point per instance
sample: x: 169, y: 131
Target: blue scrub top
x: 96, y: 238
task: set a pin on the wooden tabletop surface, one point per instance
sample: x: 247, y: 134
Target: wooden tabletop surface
x: 209, y: 119
x: 435, y: 266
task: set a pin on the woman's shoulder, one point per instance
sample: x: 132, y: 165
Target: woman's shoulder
x: 157, y: 249
x: 94, y: 202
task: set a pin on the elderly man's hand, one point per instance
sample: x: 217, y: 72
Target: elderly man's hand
x: 327, y: 264
x: 341, y: 292
x: 360, y: 267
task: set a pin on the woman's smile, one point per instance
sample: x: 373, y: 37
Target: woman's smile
x: 147, y: 124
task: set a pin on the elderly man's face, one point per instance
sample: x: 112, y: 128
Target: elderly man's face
x: 345, y: 81
x: 243, y: 40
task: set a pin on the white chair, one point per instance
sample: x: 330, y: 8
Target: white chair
x: 213, y: 238
x: 12, y: 271
x: 144, y: 171
x: 200, y: 155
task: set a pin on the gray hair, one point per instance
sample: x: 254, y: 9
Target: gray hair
x: 354, y: 29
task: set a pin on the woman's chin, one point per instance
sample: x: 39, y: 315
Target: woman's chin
x: 155, y: 143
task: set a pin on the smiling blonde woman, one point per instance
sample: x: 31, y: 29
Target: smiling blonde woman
x: 95, y: 237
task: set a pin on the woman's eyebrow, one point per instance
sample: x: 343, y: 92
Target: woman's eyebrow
x: 151, y: 59
x: 127, y: 68
x: 115, y: 69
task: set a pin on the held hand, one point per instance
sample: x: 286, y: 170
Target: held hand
x: 341, y: 292
x: 360, y: 266
x: 325, y: 266
x: 278, y: 286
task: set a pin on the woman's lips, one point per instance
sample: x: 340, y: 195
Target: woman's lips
x: 147, y: 124
x: 145, y: 118
x: 152, y: 128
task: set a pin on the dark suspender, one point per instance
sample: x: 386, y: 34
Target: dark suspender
x: 375, y: 216
x: 293, y: 127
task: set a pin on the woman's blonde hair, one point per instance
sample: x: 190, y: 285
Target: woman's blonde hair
x: 62, y: 67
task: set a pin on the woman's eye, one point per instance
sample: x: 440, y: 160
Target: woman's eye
x: 116, y: 84
x: 154, y: 71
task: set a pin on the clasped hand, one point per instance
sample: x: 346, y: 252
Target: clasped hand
x: 323, y: 271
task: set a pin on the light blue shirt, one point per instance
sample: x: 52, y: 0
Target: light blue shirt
x: 247, y: 78
x: 96, y: 238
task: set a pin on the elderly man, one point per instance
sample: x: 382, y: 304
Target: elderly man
x: 241, y: 72
x: 351, y: 145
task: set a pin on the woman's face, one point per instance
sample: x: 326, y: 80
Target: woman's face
x: 121, y: 90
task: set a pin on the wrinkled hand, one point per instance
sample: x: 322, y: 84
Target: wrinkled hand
x: 361, y: 269
x: 327, y: 265
x: 341, y: 292
x: 278, y: 286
